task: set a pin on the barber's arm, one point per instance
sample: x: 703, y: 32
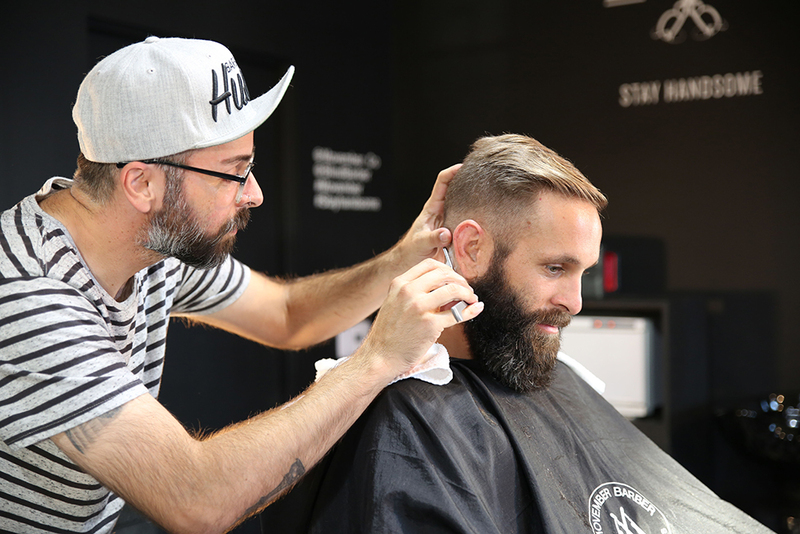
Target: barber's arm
x: 299, y: 313
x: 189, y: 484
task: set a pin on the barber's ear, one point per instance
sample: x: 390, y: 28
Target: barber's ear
x: 142, y: 186
x: 472, y: 249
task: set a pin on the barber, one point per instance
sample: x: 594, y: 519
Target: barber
x: 92, y: 269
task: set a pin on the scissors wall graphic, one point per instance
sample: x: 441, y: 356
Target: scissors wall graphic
x: 705, y: 17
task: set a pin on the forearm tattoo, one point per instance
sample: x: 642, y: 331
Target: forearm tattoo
x: 296, y: 471
x: 82, y: 436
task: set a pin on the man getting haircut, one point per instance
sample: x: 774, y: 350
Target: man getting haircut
x: 518, y: 441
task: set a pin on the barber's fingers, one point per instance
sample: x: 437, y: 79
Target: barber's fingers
x: 442, y: 289
x: 427, y: 235
x: 418, y: 298
x: 435, y: 204
x: 461, y: 310
x: 433, y: 210
x: 413, y: 316
x: 431, y: 273
x: 432, y: 285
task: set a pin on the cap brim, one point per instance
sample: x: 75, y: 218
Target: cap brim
x: 261, y: 109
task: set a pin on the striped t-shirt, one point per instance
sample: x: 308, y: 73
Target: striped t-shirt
x: 69, y: 352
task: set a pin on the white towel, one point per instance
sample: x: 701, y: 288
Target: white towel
x: 434, y: 368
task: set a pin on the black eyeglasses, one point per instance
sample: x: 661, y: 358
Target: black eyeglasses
x: 241, y: 180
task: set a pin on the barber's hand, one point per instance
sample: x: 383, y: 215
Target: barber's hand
x: 414, y: 315
x: 426, y: 235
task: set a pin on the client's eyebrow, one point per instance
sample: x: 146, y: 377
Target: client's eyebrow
x: 562, y: 259
x: 566, y: 258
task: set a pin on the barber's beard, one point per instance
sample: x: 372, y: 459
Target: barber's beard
x: 505, y: 338
x: 175, y: 231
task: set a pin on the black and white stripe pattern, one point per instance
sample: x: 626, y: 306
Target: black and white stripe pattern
x: 69, y: 352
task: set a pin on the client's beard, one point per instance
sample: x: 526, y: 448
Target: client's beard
x: 504, y: 336
x: 174, y: 231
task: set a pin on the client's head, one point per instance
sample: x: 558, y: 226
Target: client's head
x: 526, y: 226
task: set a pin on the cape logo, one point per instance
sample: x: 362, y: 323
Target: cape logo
x: 234, y: 89
x: 616, y: 508
x: 706, y: 20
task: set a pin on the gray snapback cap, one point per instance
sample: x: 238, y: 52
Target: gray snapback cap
x: 163, y: 96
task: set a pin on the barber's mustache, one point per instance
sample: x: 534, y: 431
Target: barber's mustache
x: 238, y: 222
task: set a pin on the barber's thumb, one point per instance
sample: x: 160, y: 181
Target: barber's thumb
x: 444, y: 236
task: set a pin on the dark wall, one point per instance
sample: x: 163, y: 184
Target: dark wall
x: 44, y: 58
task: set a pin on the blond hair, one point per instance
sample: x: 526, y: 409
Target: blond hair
x: 500, y: 177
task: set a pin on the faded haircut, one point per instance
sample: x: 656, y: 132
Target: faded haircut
x: 499, y: 179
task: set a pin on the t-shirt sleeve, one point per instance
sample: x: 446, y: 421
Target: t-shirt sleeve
x: 59, y: 367
x: 205, y: 291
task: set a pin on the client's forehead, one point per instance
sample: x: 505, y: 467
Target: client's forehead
x: 561, y: 228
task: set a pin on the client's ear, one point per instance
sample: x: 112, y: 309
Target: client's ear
x: 472, y: 249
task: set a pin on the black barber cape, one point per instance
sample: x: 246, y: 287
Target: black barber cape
x: 475, y: 457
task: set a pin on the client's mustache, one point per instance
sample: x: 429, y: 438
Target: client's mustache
x: 558, y: 318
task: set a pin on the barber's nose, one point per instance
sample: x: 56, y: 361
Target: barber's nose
x: 251, y: 196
